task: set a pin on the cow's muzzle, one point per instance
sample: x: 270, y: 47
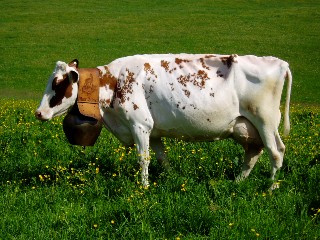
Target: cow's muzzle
x: 39, y: 116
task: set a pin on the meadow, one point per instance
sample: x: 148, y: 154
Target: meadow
x: 50, y: 189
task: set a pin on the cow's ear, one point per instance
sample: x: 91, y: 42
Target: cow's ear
x: 73, y: 74
x: 74, y: 63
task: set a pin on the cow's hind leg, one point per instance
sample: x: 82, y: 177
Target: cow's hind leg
x: 248, y: 136
x: 268, y: 130
x: 159, y: 149
x: 276, y: 155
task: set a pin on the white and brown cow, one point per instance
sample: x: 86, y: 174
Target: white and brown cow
x: 194, y: 97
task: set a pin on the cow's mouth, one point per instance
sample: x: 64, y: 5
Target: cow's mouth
x: 40, y: 117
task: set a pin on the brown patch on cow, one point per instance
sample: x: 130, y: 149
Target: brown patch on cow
x: 229, y: 60
x: 165, y: 65
x: 204, y: 64
x: 107, y: 79
x: 209, y: 56
x: 187, y: 92
x: 197, y: 79
x: 135, y: 106
x: 105, y: 102
x: 147, y: 67
x: 208, y: 120
x: 149, y: 70
x: 122, y: 92
x: 179, y: 61
x: 62, y: 88
x: 203, y: 76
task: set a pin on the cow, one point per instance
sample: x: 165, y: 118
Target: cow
x: 193, y: 97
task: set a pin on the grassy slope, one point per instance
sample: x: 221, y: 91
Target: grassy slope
x: 35, y: 34
x: 52, y: 190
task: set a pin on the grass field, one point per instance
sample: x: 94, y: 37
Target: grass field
x: 50, y: 189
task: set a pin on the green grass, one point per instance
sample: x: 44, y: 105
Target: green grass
x: 53, y: 190
x: 50, y: 189
x: 35, y: 34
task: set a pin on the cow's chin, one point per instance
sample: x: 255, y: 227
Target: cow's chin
x: 59, y: 113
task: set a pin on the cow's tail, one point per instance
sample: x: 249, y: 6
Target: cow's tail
x: 286, y: 111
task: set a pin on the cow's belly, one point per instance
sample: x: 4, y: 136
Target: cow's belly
x: 194, y: 125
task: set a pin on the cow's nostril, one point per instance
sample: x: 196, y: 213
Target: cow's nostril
x: 38, y: 115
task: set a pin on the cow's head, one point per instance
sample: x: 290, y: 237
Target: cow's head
x: 61, y: 92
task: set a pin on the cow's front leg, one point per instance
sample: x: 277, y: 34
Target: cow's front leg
x: 141, y: 138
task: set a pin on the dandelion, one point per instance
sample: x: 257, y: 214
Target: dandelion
x: 183, y: 186
x: 112, y: 222
x: 231, y: 224
x: 95, y: 226
x: 255, y: 232
x: 97, y: 170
